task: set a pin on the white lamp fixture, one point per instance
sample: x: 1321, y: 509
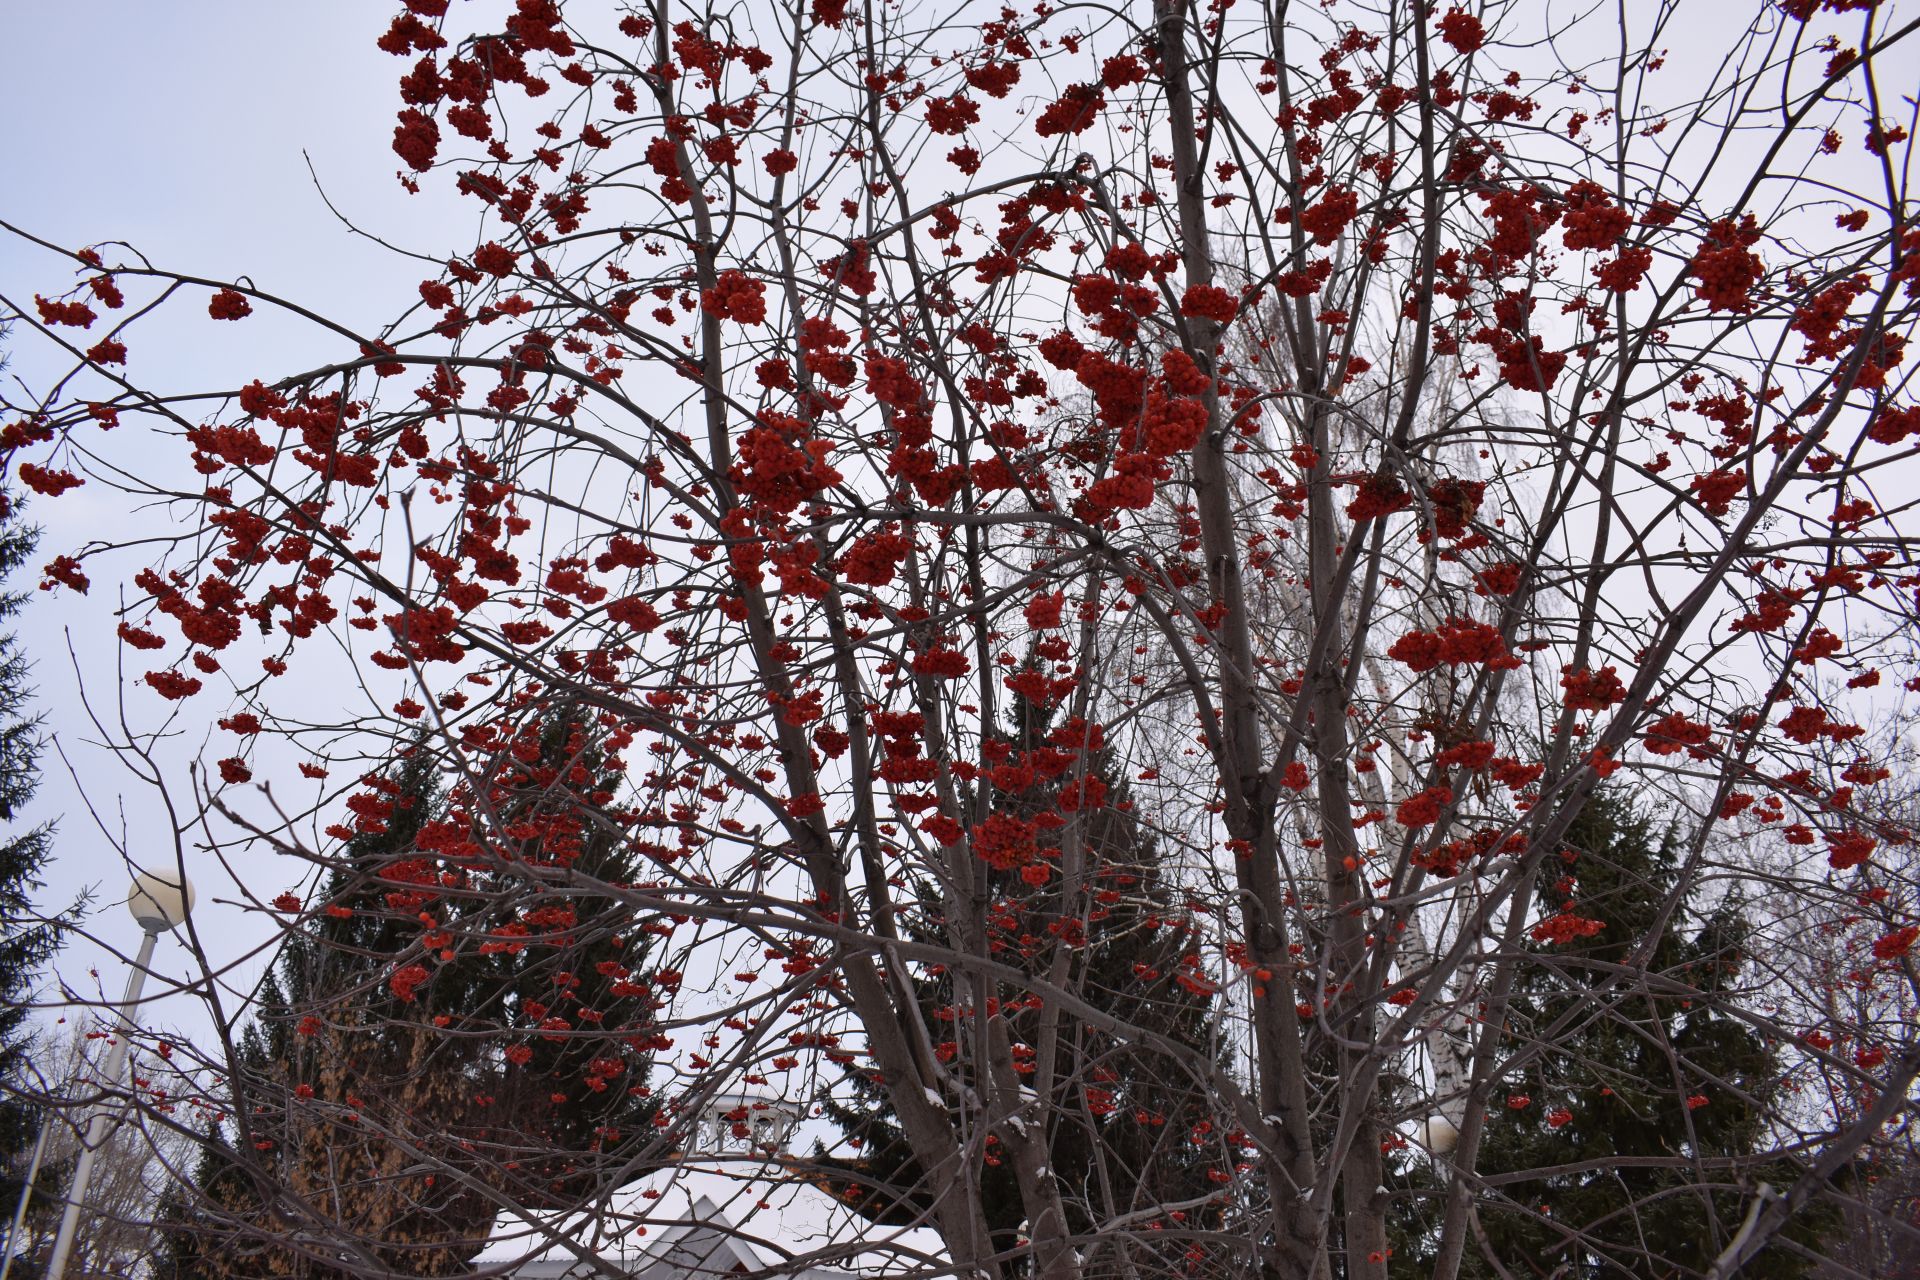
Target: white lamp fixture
x: 1437, y: 1134
x: 159, y: 902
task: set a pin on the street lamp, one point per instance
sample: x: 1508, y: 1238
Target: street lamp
x: 158, y: 903
x: 1438, y: 1135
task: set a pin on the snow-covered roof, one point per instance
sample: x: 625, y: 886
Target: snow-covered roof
x: 770, y: 1217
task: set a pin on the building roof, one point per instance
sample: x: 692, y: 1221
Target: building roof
x: 768, y: 1216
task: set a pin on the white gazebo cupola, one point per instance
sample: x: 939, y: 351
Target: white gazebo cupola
x: 733, y: 1203
x: 744, y: 1126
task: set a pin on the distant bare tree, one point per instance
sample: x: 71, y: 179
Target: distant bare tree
x: 143, y: 1158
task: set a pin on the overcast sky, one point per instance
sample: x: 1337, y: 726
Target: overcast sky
x: 185, y: 128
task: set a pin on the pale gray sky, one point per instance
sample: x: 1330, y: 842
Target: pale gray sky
x: 185, y: 127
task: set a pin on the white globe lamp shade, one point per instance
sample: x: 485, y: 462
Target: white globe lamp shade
x: 1438, y: 1135
x: 160, y: 900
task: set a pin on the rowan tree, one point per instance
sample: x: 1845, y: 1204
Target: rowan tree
x: 1385, y: 424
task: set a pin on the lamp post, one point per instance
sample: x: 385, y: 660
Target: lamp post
x: 158, y: 904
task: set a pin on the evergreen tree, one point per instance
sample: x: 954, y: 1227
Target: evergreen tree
x: 1118, y: 1127
x: 428, y: 1015
x: 1646, y: 1075
x: 194, y: 1222
x: 27, y: 939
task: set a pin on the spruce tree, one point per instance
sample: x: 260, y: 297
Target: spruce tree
x: 27, y: 938
x: 1118, y: 1128
x: 1644, y: 1074
x: 428, y: 1015
x: 326, y: 1019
